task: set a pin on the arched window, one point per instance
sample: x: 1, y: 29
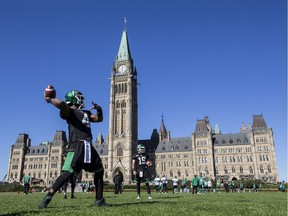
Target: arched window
x: 269, y: 169
x: 216, y: 170
x: 261, y: 169
x: 241, y: 169
x: 233, y: 169
x: 119, y: 151
x: 117, y: 104
x: 250, y: 170
x: 225, y: 170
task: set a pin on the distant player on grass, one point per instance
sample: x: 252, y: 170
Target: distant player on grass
x: 157, y: 184
x: 81, y: 153
x: 140, y: 163
x: 27, y: 182
x: 218, y: 184
x: 164, y: 181
x: 175, y: 184
x: 201, y: 184
x: 194, y: 184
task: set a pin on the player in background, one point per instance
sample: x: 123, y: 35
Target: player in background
x: 184, y: 185
x: 218, y: 183
x: 81, y: 153
x: 140, y: 164
x: 194, y: 184
x: 164, y: 184
x: 157, y: 186
x: 27, y: 182
x: 175, y: 184
x: 201, y: 184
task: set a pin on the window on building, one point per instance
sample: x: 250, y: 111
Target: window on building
x: 261, y: 169
x: 241, y: 170
x: 269, y: 169
x: 119, y: 151
x: 225, y: 170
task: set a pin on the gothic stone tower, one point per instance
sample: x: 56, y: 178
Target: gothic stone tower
x: 123, y: 113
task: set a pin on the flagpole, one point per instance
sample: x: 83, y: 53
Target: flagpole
x: 125, y: 23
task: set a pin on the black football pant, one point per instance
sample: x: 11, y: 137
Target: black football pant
x: 148, y: 189
x: 98, y: 182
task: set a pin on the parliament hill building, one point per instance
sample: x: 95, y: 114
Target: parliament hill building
x: 247, y: 154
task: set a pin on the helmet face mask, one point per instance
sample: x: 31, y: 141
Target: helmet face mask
x: 140, y: 148
x: 75, y: 98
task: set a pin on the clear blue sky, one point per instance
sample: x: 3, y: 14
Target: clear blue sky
x: 225, y: 59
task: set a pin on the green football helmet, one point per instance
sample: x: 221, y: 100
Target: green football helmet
x: 140, y: 148
x: 75, y: 98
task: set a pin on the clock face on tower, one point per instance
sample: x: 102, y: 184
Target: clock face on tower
x: 122, y: 69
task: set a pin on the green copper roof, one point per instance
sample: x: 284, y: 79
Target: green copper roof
x: 124, y: 50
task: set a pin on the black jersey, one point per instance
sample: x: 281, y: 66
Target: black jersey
x: 78, y: 125
x: 140, y: 160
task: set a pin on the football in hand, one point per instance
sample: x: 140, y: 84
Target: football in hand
x: 149, y: 163
x: 50, y: 92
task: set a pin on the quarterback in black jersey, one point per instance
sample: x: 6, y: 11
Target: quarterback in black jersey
x: 140, y: 163
x: 81, y: 154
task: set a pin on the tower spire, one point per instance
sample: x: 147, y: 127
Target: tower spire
x: 124, y: 53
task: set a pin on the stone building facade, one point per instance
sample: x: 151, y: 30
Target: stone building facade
x: 247, y: 154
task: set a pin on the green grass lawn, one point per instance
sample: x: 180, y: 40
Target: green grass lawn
x: 263, y: 203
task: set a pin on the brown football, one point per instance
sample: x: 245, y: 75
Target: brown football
x: 50, y: 92
x: 149, y: 163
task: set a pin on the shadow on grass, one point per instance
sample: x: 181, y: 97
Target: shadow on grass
x: 20, y: 213
x: 135, y: 203
x: 168, y: 197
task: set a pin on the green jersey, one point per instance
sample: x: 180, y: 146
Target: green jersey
x: 195, y: 181
x: 27, y: 179
x: 201, y: 180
